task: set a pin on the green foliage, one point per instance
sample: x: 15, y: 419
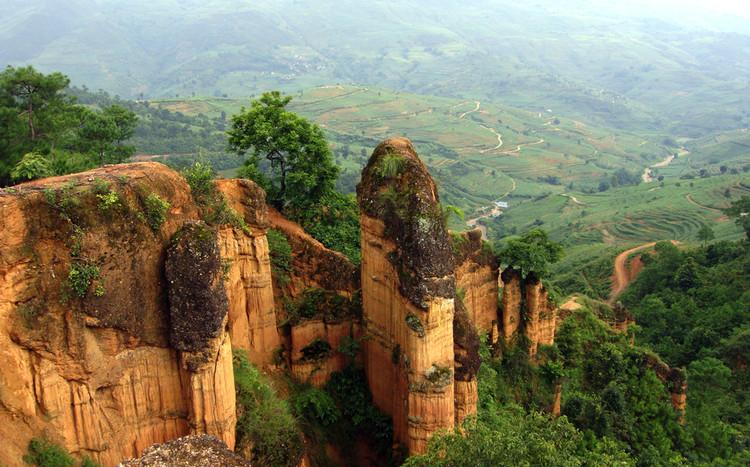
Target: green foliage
x: 44, y: 453
x: 281, y: 255
x: 316, y: 350
x: 290, y: 152
x: 335, y: 224
x: 532, y: 253
x: 319, y: 303
x: 264, y: 421
x: 31, y: 166
x: 740, y: 210
x: 691, y: 306
x: 109, y: 201
x: 81, y: 276
x: 507, y: 435
x: 155, y: 211
x: 705, y: 234
x: 44, y: 132
x: 200, y: 177
x: 313, y: 403
x: 390, y: 166
x: 415, y: 324
x: 65, y: 200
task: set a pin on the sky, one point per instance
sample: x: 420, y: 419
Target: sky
x: 735, y: 7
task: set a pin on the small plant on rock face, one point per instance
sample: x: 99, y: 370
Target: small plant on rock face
x: 390, y: 166
x: 80, y: 278
x: 415, y: 324
x: 43, y: 453
x: 155, y: 210
x: 108, y: 201
x: 281, y: 255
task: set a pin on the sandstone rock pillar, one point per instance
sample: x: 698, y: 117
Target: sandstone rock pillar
x: 408, y: 289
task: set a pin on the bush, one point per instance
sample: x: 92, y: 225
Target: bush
x: 43, y: 453
x: 316, y: 350
x: 415, y: 324
x: 200, y: 177
x: 81, y: 276
x: 281, y: 255
x: 155, y: 209
x: 264, y: 421
x: 312, y: 403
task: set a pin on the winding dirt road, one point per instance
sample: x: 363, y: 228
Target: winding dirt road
x: 621, y: 275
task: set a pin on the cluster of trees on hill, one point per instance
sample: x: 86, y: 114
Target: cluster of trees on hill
x: 693, y: 308
x: 43, y: 131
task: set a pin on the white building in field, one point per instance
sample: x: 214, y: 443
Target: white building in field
x: 501, y: 204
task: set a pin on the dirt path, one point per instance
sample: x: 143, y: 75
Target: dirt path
x: 499, y: 140
x: 573, y: 198
x: 648, y: 175
x: 476, y: 109
x: 620, y: 278
x: 621, y: 275
x: 493, y: 210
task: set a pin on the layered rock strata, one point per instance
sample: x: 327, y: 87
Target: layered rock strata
x: 408, y: 290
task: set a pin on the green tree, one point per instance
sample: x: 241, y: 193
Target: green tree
x: 705, y: 234
x: 740, y: 210
x: 31, y: 167
x: 105, y: 132
x: 298, y: 170
x: 531, y: 253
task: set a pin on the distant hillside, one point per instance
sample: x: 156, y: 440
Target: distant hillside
x: 613, y: 67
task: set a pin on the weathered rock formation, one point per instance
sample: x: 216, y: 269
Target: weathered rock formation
x: 252, y: 308
x: 105, y: 354
x: 477, y: 280
x: 408, y: 291
x: 190, y: 451
x: 527, y: 310
x: 675, y: 379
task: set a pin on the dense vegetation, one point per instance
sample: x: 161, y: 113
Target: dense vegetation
x: 289, y: 157
x: 693, y: 308
x: 43, y: 131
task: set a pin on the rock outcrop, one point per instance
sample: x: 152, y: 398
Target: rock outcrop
x: 477, y: 280
x: 252, y: 308
x: 105, y: 354
x: 527, y: 310
x: 408, y: 291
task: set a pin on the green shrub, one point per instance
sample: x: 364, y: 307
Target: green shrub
x: 264, y: 420
x: 281, y: 255
x: 312, y: 403
x: 415, y: 324
x: 108, y: 201
x: 200, y: 178
x: 390, y: 165
x: 43, y: 453
x: 80, y: 277
x: 155, y: 210
x: 220, y: 213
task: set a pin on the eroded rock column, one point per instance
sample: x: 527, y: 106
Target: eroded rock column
x: 408, y: 289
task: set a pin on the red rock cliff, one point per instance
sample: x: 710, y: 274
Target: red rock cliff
x: 115, y: 336
x: 477, y: 280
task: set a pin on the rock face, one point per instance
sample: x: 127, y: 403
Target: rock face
x: 115, y: 337
x: 252, y: 308
x: 190, y: 451
x: 477, y: 278
x: 527, y: 309
x: 408, y: 290
x: 675, y: 379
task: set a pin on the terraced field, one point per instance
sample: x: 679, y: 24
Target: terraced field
x: 475, y: 149
x: 546, y: 166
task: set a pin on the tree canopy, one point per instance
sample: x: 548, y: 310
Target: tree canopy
x: 531, y: 253
x: 287, y: 155
x: 44, y: 132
